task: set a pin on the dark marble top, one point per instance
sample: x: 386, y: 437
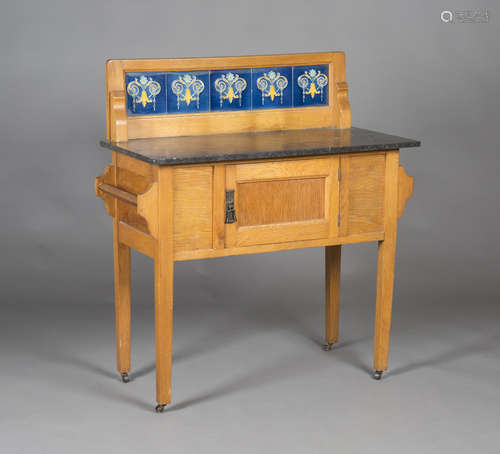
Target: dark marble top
x: 257, y: 145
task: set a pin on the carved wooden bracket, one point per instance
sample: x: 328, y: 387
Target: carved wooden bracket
x: 146, y: 203
x: 405, y: 190
x: 147, y: 207
x: 342, y: 103
x: 107, y: 178
x: 118, y: 116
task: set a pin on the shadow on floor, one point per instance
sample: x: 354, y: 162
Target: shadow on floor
x: 286, y: 368
x: 456, y: 353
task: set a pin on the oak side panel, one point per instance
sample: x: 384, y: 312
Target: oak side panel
x: 193, y: 207
x: 362, y: 187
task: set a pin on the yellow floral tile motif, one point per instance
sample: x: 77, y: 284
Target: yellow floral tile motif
x: 230, y: 86
x: 187, y: 88
x: 312, y: 83
x: 143, y: 90
x: 231, y: 89
x: 271, y: 85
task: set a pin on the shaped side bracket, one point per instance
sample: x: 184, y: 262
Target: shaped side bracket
x: 146, y: 203
x: 107, y: 178
x: 342, y: 104
x: 147, y: 207
x: 118, y: 116
x: 405, y: 190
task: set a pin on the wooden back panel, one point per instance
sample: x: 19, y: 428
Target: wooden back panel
x: 151, y: 112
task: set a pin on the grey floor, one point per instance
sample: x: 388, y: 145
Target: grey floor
x: 249, y: 373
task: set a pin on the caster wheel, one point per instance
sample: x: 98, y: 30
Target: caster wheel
x: 377, y: 375
x: 327, y: 347
x: 125, y: 378
x: 159, y: 408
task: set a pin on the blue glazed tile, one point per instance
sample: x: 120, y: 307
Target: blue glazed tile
x: 310, y: 85
x: 145, y: 93
x: 231, y: 90
x: 188, y: 92
x: 271, y: 88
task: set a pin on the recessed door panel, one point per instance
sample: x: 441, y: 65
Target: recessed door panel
x: 283, y: 201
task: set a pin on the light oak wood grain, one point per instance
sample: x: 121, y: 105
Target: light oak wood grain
x: 137, y: 240
x: 107, y: 177
x: 136, y: 184
x: 121, y: 262
x: 386, y: 261
x: 219, y: 202
x: 278, y: 201
x: 164, y: 284
x: 221, y: 123
x: 362, y: 186
x: 147, y: 208
x: 342, y: 108
x: 137, y: 167
x: 117, y: 193
x: 192, y: 208
x: 332, y: 293
x: 273, y: 247
x: 270, y: 211
x: 118, y: 116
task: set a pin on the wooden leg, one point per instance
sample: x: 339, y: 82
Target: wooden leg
x: 122, y: 307
x: 164, y: 285
x: 385, y: 271
x: 122, y: 290
x: 332, y: 287
x: 164, y: 288
x: 385, y: 286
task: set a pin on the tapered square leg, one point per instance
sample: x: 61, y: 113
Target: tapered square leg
x: 164, y: 288
x: 385, y: 270
x: 383, y: 313
x: 332, y: 294
x: 121, y: 256
x: 122, y: 306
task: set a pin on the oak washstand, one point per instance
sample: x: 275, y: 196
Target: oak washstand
x: 224, y: 156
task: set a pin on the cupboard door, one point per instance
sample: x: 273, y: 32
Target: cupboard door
x: 362, y: 187
x: 282, y: 201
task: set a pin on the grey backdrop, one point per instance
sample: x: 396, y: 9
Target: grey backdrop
x: 249, y: 375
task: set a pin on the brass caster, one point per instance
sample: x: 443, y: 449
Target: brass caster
x: 159, y: 408
x: 377, y: 375
x: 327, y: 347
x: 125, y: 377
